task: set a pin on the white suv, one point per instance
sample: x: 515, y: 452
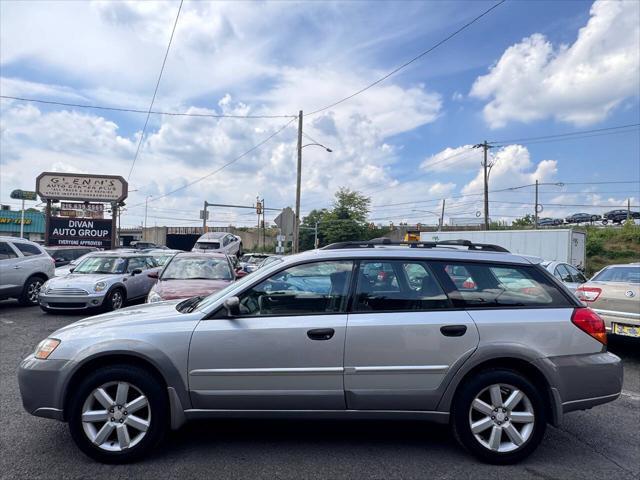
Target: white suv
x: 24, y: 267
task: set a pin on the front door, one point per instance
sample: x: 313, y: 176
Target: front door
x: 12, y: 272
x: 403, y: 337
x: 285, y: 349
x: 137, y: 284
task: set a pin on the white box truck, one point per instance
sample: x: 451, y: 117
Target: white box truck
x: 564, y: 245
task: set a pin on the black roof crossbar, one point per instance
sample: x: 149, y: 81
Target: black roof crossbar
x: 377, y: 242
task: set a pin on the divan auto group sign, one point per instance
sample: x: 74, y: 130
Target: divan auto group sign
x: 78, y: 186
x: 80, y: 232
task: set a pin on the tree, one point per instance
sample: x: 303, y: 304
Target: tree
x: 526, y: 221
x: 346, y: 221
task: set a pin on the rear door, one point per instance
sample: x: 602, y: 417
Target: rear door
x: 403, y: 337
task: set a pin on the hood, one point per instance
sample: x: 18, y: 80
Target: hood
x: 174, y: 289
x: 81, y: 280
x: 145, y: 315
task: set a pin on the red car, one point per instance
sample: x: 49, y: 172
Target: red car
x: 189, y: 275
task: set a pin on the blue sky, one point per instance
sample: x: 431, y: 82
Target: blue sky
x: 526, y: 69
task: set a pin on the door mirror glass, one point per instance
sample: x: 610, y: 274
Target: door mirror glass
x: 232, y: 304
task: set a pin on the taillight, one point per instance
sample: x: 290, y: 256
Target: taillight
x: 588, y: 294
x: 590, y: 322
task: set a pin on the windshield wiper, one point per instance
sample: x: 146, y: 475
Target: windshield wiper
x: 190, y: 304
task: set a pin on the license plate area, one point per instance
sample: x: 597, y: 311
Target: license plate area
x: 626, y: 330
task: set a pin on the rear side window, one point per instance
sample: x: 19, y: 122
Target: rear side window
x: 27, y: 249
x: 498, y: 286
x: 397, y: 286
x: 6, y: 252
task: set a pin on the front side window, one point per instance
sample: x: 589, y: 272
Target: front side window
x: 563, y: 274
x: 27, y: 249
x: 310, y: 288
x: 101, y: 265
x: 499, y: 286
x: 576, y: 274
x: 135, y: 263
x: 6, y: 252
x: 397, y: 285
x: 185, y: 268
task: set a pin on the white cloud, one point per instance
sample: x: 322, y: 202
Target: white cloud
x: 579, y: 84
x: 464, y: 158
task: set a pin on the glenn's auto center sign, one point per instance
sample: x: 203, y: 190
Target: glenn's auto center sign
x: 78, y: 186
x: 80, y: 232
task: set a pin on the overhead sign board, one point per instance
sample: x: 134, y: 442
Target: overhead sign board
x: 79, y: 186
x: 80, y: 232
x: 24, y: 195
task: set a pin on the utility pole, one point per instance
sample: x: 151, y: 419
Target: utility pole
x: 146, y: 205
x: 315, y: 237
x: 22, y: 220
x: 296, y: 227
x: 264, y: 228
x: 441, y: 217
x: 485, y: 166
x: 535, y: 213
x: 204, y: 217
x: 628, y: 208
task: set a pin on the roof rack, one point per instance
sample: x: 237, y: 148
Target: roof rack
x: 384, y: 242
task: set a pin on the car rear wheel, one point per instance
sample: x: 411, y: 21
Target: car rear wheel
x: 31, y: 291
x: 115, y: 300
x: 499, y: 416
x: 118, y: 414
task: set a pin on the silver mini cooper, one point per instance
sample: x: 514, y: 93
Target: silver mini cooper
x: 485, y: 341
x: 100, y: 280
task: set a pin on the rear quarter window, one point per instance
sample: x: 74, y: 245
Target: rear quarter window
x: 27, y: 249
x: 486, y: 285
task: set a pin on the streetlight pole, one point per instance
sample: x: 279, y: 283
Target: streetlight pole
x: 146, y: 205
x: 296, y: 226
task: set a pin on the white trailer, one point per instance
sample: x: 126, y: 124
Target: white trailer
x: 565, y: 245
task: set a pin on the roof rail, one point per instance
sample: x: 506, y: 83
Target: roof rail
x: 383, y: 242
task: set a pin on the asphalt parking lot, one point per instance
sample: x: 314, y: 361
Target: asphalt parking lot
x: 599, y: 443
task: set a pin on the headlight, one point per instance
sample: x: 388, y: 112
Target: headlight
x: 46, y: 348
x: 100, y: 286
x: 153, y: 297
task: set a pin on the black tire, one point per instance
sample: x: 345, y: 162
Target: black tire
x: 30, y: 291
x: 111, y: 301
x: 144, y: 381
x: 460, y: 420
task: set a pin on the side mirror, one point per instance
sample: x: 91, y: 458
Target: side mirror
x: 153, y: 275
x: 72, y: 269
x: 232, y: 304
x: 136, y: 271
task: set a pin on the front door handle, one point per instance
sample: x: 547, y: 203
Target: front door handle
x: 453, y: 330
x: 321, y: 333
x: 17, y: 267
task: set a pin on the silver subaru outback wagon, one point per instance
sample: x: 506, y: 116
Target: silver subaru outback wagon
x: 485, y: 341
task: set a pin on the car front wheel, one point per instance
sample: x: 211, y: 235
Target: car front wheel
x: 118, y: 414
x: 499, y: 416
x: 31, y: 291
x: 115, y: 300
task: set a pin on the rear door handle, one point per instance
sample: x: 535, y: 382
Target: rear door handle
x: 453, y: 330
x: 321, y: 333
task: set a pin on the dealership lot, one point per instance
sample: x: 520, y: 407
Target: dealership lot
x: 601, y: 443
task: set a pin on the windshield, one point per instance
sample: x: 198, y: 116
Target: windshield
x: 102, y: 265
x: 619, y: 274
x: 208, y: 245
x: 162, y: 259
x: 186, y: 268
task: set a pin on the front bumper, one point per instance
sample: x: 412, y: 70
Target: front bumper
x: 71, y: 302
x: 41, y: 385
x: 584, y: 381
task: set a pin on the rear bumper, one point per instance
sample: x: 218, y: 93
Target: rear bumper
x: 584, y: 381
x: 611, y: 316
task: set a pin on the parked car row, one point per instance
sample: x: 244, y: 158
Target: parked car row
x: 612, y: 216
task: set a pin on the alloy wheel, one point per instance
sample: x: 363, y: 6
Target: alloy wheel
x: 501, y: 418
x: 116, y: 300
x: 33, y: 290
x: 116, y: 416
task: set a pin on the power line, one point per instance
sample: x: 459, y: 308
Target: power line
x: 239, y: 157
x: 543, y: 137
x: 155, y: 91
x: 133, y: 110
x: 406, y: 64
